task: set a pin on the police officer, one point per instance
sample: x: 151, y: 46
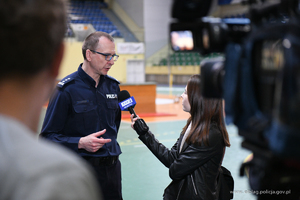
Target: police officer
x: 83, y: 113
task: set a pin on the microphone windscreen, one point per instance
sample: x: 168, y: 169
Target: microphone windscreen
x: 123, y: 95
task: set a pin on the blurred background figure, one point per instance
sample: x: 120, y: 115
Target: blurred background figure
x: 32, y: 33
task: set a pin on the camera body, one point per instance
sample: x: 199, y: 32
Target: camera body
x: 208, y: 34
x: 259, y: 79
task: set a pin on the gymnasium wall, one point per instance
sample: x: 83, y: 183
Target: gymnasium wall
x: 157, y: 18
x: 73, y: 57
x: 131, y: 15
x: 134, y: 9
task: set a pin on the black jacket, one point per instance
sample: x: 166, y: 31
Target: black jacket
x: 194, y: 170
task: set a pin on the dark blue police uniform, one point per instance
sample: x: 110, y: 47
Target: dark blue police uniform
x: 78, y: 108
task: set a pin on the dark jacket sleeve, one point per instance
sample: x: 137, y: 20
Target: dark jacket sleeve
x: 190, y: 158
x: 55, y: 120
x: 165, y: 155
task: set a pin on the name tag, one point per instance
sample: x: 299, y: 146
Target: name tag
x: 111, y: 96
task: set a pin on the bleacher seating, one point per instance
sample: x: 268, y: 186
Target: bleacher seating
x: 185, y: 59
x: 89, y: 12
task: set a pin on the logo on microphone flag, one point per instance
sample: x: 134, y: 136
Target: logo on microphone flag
x: 127, y: 103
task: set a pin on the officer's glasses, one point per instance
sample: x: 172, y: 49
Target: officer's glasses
x: 108, y: 57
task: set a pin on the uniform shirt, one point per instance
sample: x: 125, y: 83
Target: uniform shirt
x: 78, y: 108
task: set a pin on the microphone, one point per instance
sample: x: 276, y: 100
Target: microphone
x: 127, y: 103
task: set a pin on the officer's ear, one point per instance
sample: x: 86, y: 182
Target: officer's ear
x: 88, y: 55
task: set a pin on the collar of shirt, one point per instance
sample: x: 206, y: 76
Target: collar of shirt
x: 87, y: 79
x: 186, y: 134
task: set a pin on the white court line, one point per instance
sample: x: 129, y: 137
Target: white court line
x: 159, y: 101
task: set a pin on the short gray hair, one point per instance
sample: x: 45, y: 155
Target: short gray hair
x: 91, y: 41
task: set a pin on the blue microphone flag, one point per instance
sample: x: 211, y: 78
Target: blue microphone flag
x: 130, y: 102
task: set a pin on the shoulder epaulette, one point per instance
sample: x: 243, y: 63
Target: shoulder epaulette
x: 64, y: 82
x: 112, y: 78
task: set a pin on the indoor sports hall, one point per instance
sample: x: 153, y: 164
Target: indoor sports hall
x: 156, y: 76
x: 144, y: 177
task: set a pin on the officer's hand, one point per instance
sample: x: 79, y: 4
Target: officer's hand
x: 92, y: 143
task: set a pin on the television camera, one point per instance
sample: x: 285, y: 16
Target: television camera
x: 259, y: 79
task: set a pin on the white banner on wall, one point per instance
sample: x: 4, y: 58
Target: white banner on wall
x: 130, y: 48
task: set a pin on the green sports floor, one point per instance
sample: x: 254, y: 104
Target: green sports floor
x: 145, y: 178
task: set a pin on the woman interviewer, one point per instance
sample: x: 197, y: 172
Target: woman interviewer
x: 195, y: 159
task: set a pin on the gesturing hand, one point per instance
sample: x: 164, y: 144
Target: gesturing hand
x: 92, y: 143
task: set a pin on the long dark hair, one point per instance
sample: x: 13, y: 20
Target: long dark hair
x: 203, y: 112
